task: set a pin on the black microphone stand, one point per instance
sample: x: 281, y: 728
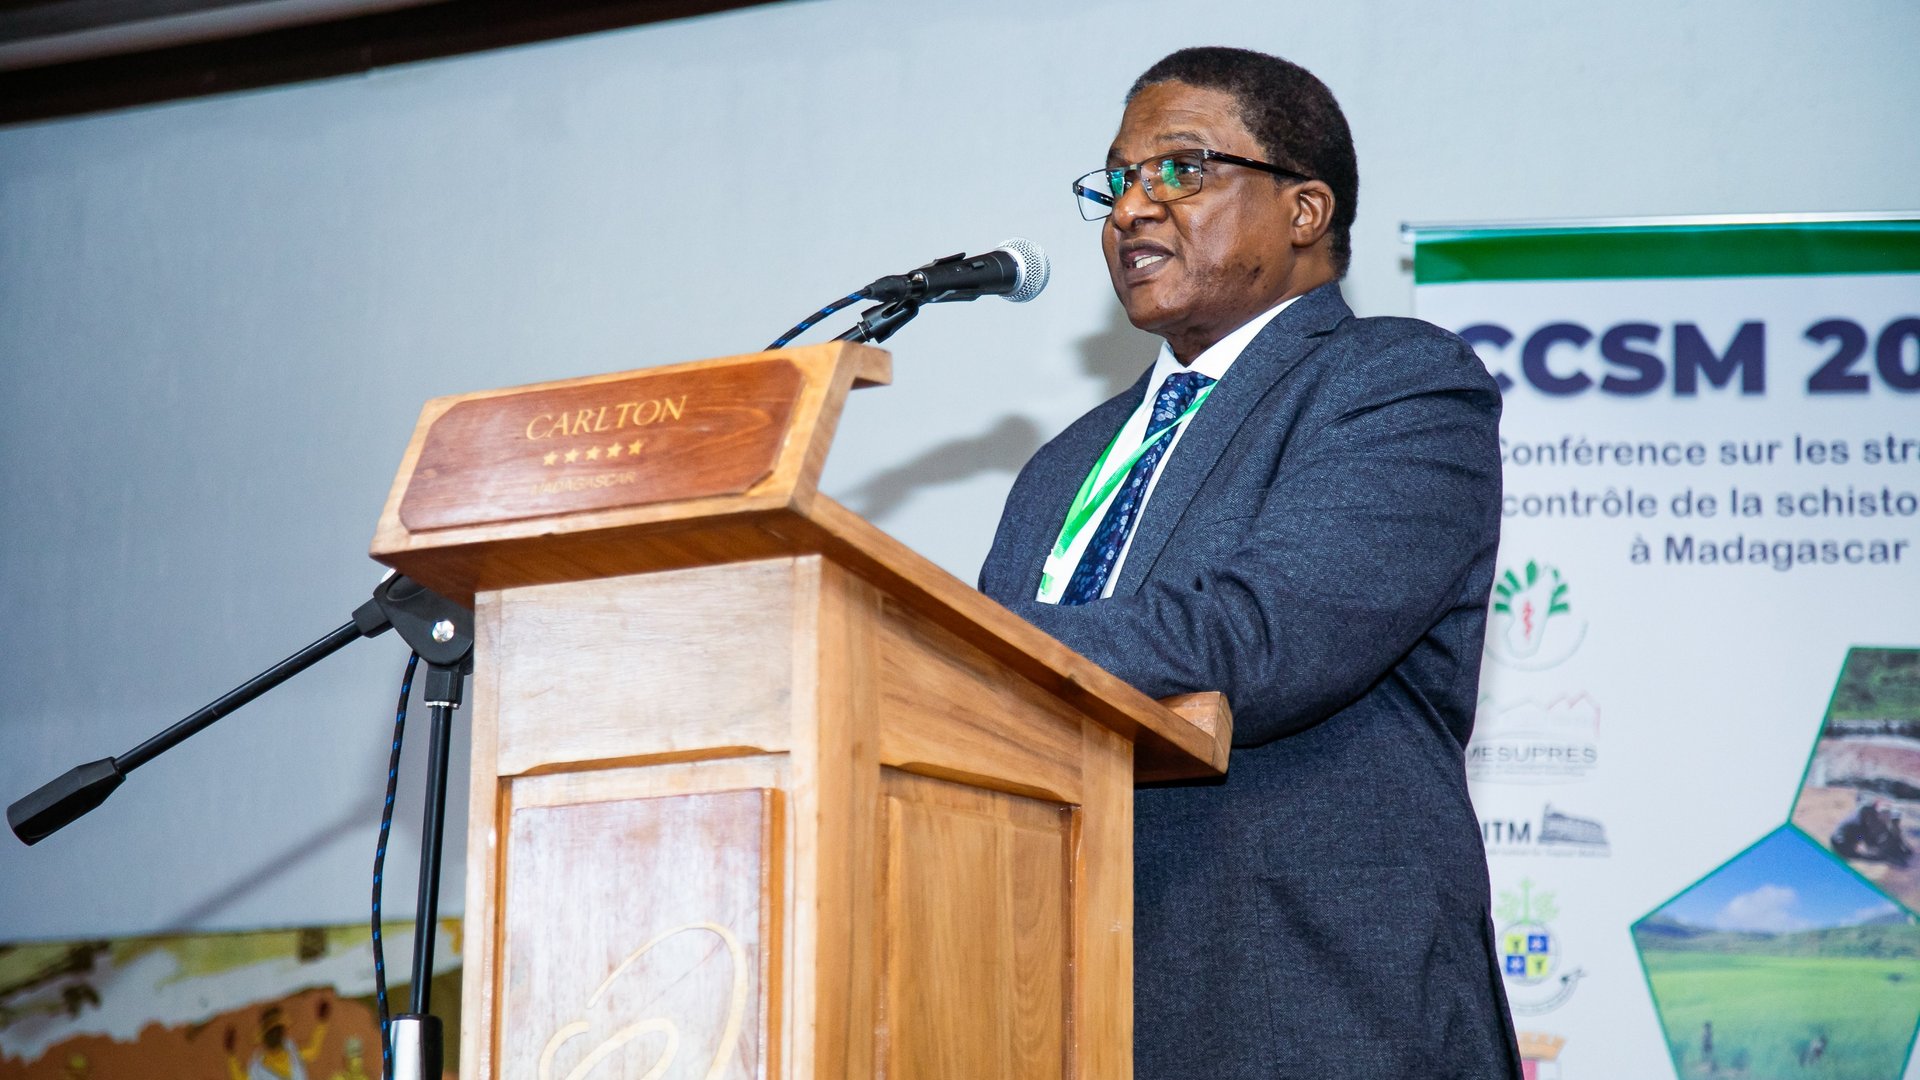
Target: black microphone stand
x: 438, y: 629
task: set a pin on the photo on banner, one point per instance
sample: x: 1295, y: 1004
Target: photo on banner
x: 1861, y: 795
x: 1783, y: 963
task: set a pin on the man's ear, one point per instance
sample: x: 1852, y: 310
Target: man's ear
x: 1312, y: 212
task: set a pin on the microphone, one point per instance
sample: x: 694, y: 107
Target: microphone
x: 1017, y: 270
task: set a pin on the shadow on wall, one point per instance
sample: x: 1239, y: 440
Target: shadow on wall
x: 360, y: 825
x: 1117, y: 353
x: 1002, y: 448
x: 292, y: 856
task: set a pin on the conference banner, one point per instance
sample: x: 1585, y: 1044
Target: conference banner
x: 1696, y: 760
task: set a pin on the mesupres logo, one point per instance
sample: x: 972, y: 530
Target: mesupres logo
x: 1531, y: 742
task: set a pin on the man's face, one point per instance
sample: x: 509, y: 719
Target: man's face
x: 1224, y: 254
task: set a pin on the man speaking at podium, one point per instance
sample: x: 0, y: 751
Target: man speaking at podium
x: 1299, y: 508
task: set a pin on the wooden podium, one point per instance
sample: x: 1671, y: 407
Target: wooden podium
x: 757, y: 792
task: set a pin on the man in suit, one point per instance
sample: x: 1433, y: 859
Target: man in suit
x: 1299, y: 508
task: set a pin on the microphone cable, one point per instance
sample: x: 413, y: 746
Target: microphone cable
x: 805, y: 324
x: 379, y: 863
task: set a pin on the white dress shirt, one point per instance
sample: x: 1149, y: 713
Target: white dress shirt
x: 1212, y: 363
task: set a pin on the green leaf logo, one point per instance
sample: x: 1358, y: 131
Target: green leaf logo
x: 1530, y: 597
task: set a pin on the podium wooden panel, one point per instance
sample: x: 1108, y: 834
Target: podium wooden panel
x: 756, y: 791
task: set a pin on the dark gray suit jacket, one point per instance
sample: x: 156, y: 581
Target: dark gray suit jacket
x: 1319, y: 546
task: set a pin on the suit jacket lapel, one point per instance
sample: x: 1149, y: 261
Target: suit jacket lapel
x: 1286, y: 341
x: 1078, y: 448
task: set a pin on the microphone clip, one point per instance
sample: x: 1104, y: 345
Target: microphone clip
x: 881, y: 321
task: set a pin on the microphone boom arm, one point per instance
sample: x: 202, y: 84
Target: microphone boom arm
x: 397, y: 601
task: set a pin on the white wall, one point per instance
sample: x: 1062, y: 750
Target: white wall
x: 218, y: 319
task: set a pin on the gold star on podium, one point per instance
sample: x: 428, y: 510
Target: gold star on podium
x: 573, y: 456
x: 633, y: 447
x: 614, y: 450
x: 593, y: 453
x: 550, y: 458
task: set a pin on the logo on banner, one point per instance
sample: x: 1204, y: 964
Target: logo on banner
x: 1532, y: 626
x: 1532, y: 743
x: 1530, y: 952
x: 1553, y: 833
x: 1540, y: 1055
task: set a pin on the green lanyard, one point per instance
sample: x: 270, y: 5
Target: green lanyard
x: 1094, y: 492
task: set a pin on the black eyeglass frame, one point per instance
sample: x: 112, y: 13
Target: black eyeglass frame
x: 1085, y: 194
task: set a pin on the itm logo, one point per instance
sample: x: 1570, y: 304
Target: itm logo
x: 1559, y: 833
x: 1530, y: 951
x: 1532, y: 625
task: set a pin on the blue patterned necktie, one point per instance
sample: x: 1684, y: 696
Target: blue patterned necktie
x: 1110, y: 536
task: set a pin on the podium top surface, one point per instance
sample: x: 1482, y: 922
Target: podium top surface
x: 708, y: 463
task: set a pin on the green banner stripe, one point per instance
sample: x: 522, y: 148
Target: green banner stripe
x: 1667, y: 251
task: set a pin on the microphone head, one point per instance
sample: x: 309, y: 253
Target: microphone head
x: 1033, y: 270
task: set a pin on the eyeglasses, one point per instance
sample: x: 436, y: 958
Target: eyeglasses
x: 1166, y: 177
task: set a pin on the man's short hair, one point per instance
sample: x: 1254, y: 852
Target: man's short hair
x: 1291, y: 113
